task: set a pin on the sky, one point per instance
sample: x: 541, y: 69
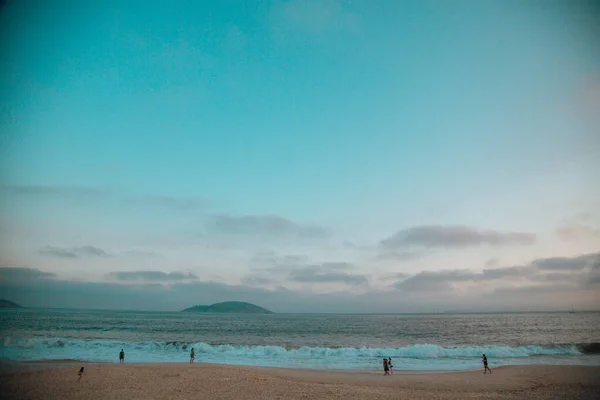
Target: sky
x: 306, y: 156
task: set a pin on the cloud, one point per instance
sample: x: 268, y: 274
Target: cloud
x: 21, y: 273
x: 593, y: 279
x: 326, y: 273
x: 533, y: 289
x: 143, y: 254
x: 492, y: 262
x: 151, y: 276
x: 93, y: 251
x: 57, y: 252
x: 398, y: 256
x: 507, y: 272
x: 395, y: 276
x: 560, y: 277
x: 434, y: 280
x: 294, y: 268
x: 73, y: 252
x: 38, y: 291
x: 533, y: 272
x: 269, y: 259
x: 574, y: 232
x: 256, y: 280
x: 267, y: 225
x: 453, y: 236
x: 349, y: 244
x: 176, y: 296
x: 566, y: 263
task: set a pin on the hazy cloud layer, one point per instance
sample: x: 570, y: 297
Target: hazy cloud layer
x: 73, y: 252
x: 295, y: 268
x: 257, y: 280
x: 326, y: 273
x: 34, y: 289
x: 398, y: 256
x: 453, y: 236
x: 143, y: 254
x: 265, y: 225
x: 434, y: 281
x: 90, y: 251
x: 582, y: 272
x: 151, y: 276
x: 270, y: 259
x: 565, y: 263
x: 21, y: 273
x: 397, y: 276
x: 574, y: 232
x: 172, y: 296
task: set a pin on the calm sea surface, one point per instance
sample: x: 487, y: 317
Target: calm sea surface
x: 415, y: 342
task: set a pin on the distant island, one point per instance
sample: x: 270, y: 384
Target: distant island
x: 231, y: 307
x: 8, y: 304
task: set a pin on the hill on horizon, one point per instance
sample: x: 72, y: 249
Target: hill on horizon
x: 231, y: 307
x: 9, y: 304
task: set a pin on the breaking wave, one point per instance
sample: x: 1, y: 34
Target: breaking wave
x: 418, y: 356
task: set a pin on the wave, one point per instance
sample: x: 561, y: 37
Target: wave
x: 589, y: 348
x: 418, y: 351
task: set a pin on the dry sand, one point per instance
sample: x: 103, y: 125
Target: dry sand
x: 205, y: 381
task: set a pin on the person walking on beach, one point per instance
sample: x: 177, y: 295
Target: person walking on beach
x: 485, y: 364
x: 390, y: 366
x: 80, y: 373
x: 386, y: 367
x: 122, y: 357
x: 192, y: 356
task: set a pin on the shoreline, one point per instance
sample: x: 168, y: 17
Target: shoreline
x: 72, y: 362
x: 374, y: 370
x: 215, y: 381
x: 376, y: 367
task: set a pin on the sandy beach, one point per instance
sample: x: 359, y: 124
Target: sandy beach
x: 205, y: 381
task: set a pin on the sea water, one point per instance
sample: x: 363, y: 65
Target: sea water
x: 354, y: 342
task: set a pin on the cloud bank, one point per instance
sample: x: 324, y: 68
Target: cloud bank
x: 263, y: 225
x: 581, y: 271
x: 151, y: 276
x: 454, y: 236
x: 422, y: 292
x: 73, y: 252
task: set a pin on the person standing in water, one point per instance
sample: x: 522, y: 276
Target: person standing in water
x: 390, y: 366
x: 485, y: 364
x: 386, y: 367
x: 192, y: 356
x: 122, y: 357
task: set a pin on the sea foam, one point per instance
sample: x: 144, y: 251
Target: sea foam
x: 418, y: 356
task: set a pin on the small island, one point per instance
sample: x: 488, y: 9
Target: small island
x: 8, y: 304
x: 229, y: 307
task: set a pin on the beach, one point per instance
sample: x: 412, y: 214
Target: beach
x: 54, y: 380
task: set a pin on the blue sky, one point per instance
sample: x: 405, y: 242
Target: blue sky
x: 334, y: 148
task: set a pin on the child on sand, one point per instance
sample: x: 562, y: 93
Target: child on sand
x: 192, y: 356
x: 80, y: 373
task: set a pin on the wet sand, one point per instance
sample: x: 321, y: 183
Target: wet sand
x: 205, y: 381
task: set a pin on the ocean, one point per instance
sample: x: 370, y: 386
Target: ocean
x: 338, y: 342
